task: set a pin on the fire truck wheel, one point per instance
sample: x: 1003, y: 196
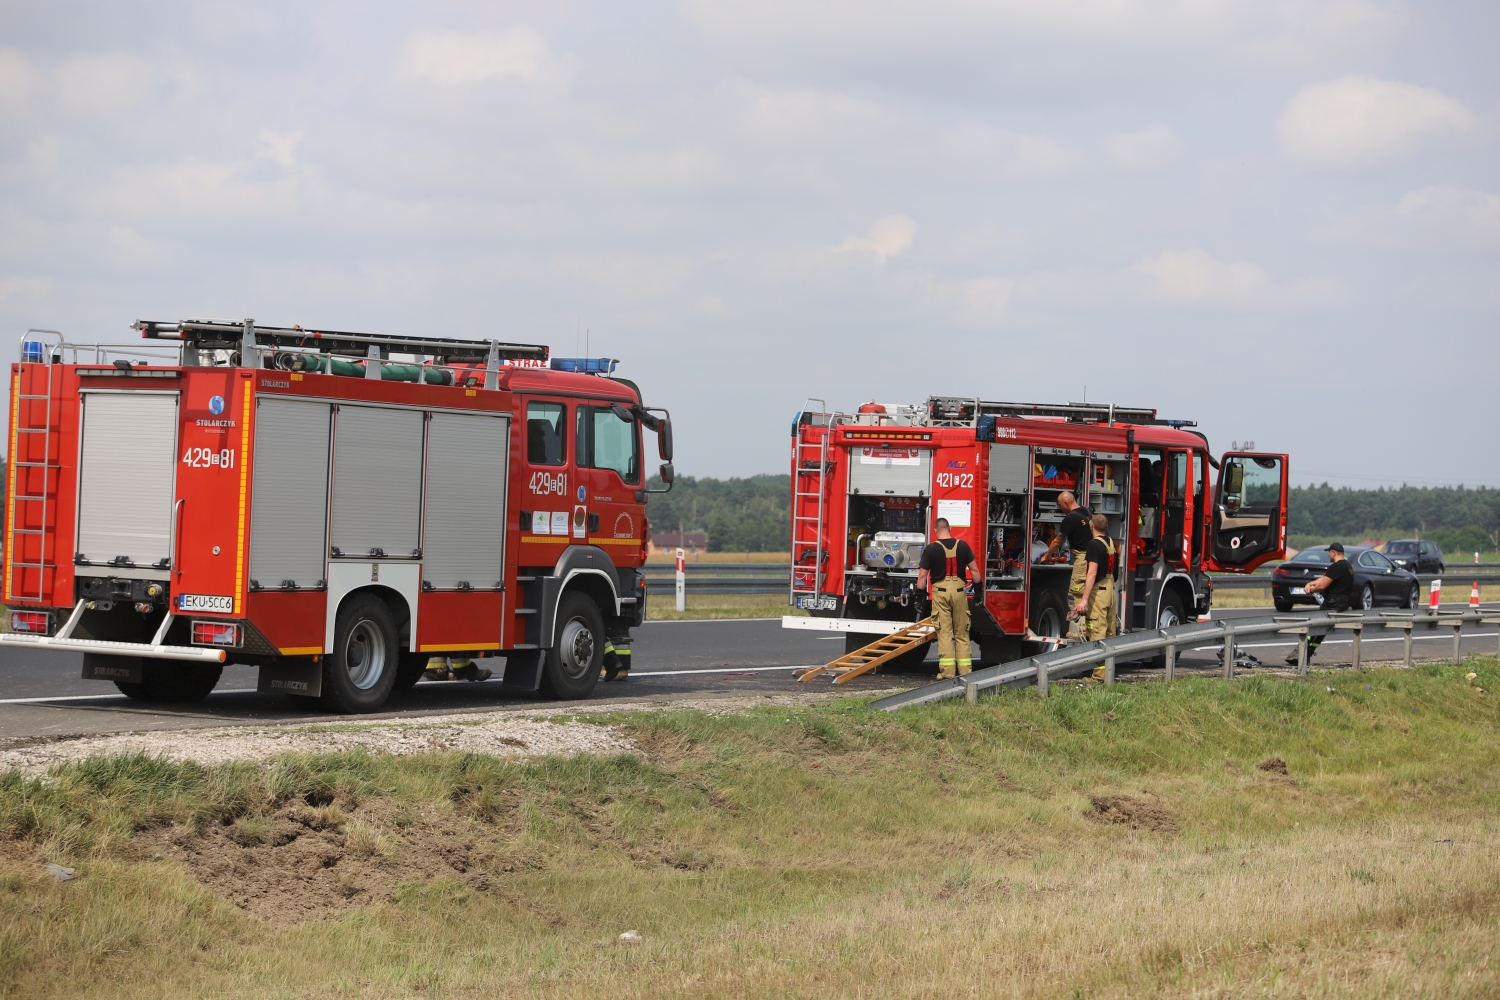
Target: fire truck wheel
x: 410, y: 670
x: 169, y: 680
x: 1171, y: 614
x: 1051, y: 616
x: 358, y: 677
x: 573, y: 662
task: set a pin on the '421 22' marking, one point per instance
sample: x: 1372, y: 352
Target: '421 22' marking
x: 209, y: 458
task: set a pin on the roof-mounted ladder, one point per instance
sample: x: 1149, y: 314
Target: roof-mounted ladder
x: 809, y: 473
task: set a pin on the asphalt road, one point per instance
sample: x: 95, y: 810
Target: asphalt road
x: 42, y: 696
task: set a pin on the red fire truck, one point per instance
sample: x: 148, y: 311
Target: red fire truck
x: 867, y: 486
x: 333, y: 508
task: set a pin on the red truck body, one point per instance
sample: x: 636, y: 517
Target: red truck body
x: 166, y: 518
x: 867, y: 486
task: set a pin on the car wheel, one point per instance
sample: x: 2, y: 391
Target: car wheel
x: 173, y: 681
x: 1413, y: 597
x: 577, y: 653
x: 1282, y: 604
x: 1367, y: 598
x: 360, y: 673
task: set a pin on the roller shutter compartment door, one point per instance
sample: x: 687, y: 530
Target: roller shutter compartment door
x: 289, y: 515
x: 464, y: 540
x: 377, y: 482
x: 126, y: 477
x: 885, y: 470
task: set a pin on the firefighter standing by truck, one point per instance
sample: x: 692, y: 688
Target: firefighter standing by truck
x: 1096, y: 607
x: 941, y: 573
x: 1075, y: 531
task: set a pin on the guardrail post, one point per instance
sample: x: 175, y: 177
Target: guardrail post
x: 1494, y: 621
x: 1041, y: 677
x: 1457, y: 628
x: 1358, y: 628
x: 1228, y: 653
x: 971, y: 692
x: 1109, y: 669
x: 1302, y: 653
x: 1171, y: 660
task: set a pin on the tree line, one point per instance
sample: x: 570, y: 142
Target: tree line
x: 753, y: 514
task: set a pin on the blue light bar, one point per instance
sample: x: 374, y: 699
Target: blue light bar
x: 585, y: 366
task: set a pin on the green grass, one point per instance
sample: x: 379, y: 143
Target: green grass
x: 821, y: 851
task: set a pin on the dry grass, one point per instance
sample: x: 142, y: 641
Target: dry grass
x: 663, y: 607
x: 827, y: 851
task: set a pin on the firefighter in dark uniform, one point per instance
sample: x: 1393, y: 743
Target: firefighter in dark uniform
x: 616, y: 665
x: 941, y: 574
x: 1095, y: 609
x: 1074, y: 530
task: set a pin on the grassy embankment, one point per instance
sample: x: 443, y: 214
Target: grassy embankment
x: 821, y: 851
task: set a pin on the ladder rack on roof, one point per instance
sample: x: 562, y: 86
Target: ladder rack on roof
x: 959, y: 411
x: 230, y: 335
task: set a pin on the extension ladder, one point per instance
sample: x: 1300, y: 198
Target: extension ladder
x: 882, y: 650
x: 32, y: 505
x: 809, y: 470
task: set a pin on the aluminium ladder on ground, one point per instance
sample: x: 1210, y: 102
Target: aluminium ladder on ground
x: 881, y: 651
x: 809, y: 472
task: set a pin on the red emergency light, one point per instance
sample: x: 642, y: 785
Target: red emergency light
x: 38, y: 622
x: 215, y: 634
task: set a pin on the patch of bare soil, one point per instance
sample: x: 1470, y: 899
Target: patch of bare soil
x: 1138, y: 814
x: 301, y: 862
x: 1276, y: 770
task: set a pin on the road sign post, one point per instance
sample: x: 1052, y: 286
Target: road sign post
x: 681, y: 580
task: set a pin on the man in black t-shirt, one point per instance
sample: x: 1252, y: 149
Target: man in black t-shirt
x: 1336, y: 585
x: 1075, y: 529
x: 941, y: 573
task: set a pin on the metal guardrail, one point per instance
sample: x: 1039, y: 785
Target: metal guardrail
x: 1074, y: 661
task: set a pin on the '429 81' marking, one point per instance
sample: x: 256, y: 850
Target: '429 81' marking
x: 544, y: 484
x: 209, y: 458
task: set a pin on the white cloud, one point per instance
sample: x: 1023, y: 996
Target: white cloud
x: 979, y: 150
x: 456, y: 58
x: 16, y: 79
x: 278, y: 146
x: 1195, y: 278
x: 1359, y: 119
x: 104, y: 84
x: 888, y: 237
x: 1454, y: 215
x: 982, y: 302
x: 1149, y: 148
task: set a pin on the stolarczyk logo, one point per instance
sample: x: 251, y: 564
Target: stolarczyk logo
x: 216, y: 405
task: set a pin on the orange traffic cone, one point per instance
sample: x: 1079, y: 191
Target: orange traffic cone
x: 1474, y: 596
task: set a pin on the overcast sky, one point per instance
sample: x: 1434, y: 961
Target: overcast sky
x: 1281, y: 219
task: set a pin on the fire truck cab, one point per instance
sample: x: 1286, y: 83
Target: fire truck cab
x: 867, y: 487
x: 332, y: 508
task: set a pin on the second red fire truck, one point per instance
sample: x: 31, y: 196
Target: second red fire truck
x: 333, y: 508
x: 867, y: 487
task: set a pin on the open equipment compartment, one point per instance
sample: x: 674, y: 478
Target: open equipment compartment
x: 1008, y: 548
x: 890, y: 491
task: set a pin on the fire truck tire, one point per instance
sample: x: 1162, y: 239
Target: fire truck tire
x: 1051, y: 616
x: 169, y: 680
x: 358, y: 677
x: 410, y: 670
x: 572, y: 666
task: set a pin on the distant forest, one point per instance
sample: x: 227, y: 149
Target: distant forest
x: 753, y: 514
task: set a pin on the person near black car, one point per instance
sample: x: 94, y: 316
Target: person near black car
x: 1335, y: 584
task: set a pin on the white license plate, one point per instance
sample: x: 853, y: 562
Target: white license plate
x: 818, y: 603
x: 205, y: 602
x: 1299, y: 590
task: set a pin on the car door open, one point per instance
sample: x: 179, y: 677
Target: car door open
x: 1249, y: 514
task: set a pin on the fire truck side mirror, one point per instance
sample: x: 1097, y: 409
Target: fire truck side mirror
x: 667, y: 473
x: 664, y: 441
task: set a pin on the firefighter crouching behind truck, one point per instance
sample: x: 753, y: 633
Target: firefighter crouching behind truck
x: 1098, y: 599
x: 941, y: 574
x: 1075, y: 531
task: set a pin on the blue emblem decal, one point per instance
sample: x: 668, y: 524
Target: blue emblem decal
x: 216, y: 405
x: 582, y: 494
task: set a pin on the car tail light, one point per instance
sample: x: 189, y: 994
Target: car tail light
x: 215, y: 634
x: 38, y: 622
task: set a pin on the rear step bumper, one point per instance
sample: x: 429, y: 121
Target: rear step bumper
x: 142, y: 649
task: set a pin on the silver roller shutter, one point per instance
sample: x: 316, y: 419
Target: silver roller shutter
x: 377, y: 481
x: 887, y: 471
x: 464, y: 540
x: 289, y: 514
x: 126, y: 477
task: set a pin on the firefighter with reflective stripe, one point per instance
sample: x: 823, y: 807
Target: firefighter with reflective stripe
x: 941, y: 574
x: 1098, y: 599
x: 1074, y: 531
x: 616, y: 658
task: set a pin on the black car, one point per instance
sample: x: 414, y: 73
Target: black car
x: 1416, y: 555
x: 1377, y: 580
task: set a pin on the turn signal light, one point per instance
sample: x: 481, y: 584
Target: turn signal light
x: 37, y: 622
x: 215, y: 634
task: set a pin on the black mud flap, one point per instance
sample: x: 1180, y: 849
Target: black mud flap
x: 523, y: 668
x: 300, y: 676
x: 104, y: 667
